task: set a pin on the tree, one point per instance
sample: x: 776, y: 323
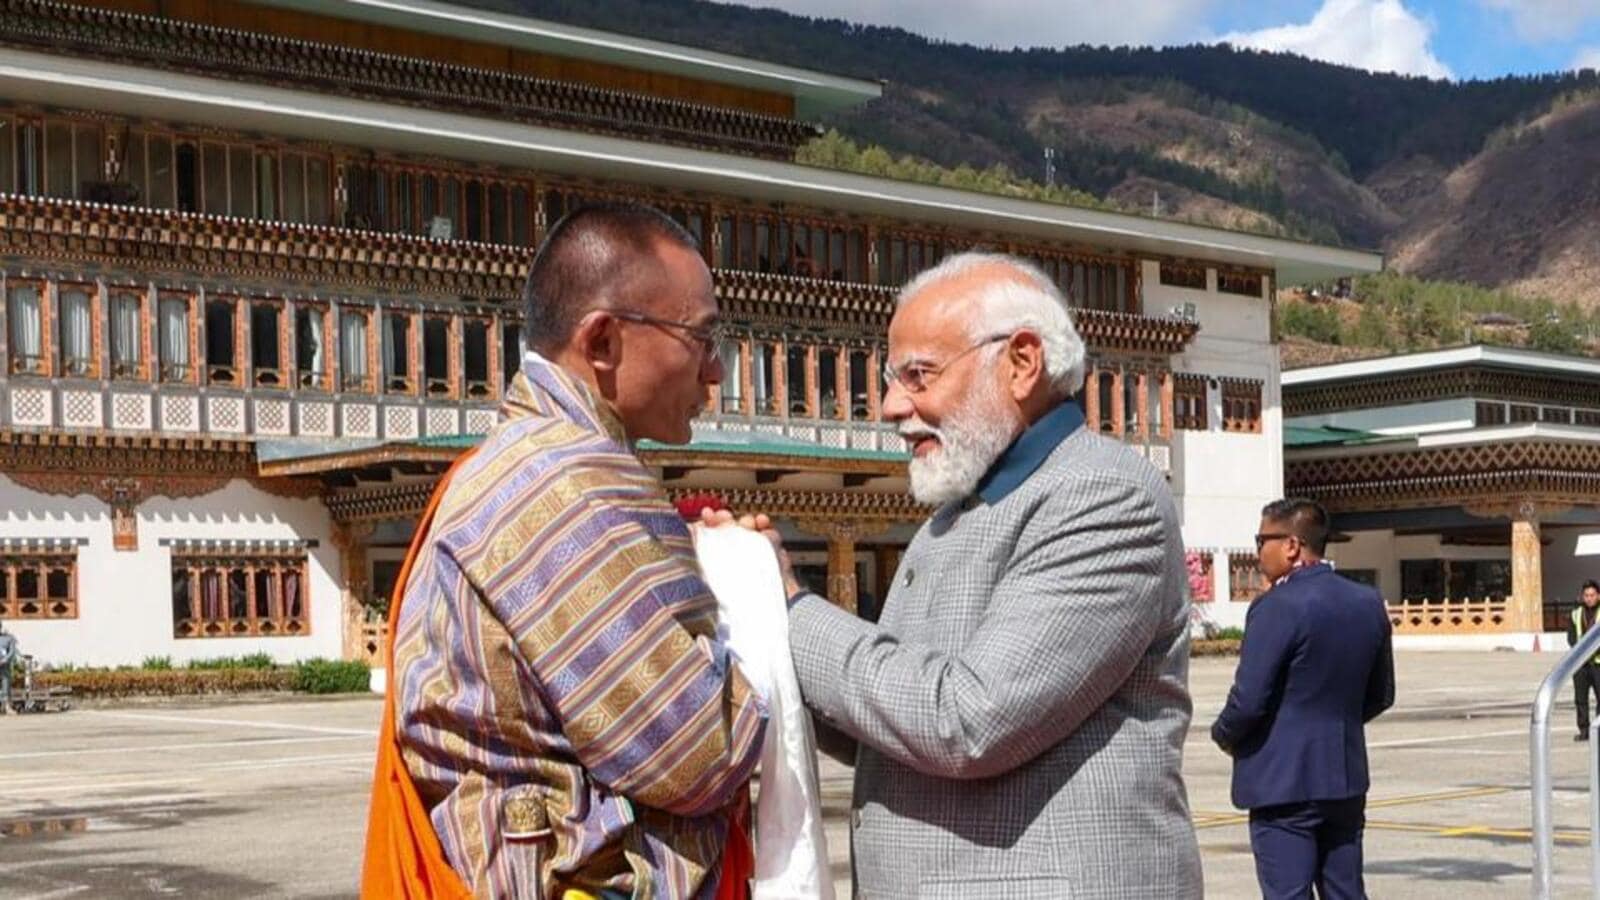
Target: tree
x: 1553, y: 337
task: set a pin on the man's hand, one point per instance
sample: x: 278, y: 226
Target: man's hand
x: 761, y: 523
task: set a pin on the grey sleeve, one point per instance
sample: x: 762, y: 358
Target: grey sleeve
x: 1067, y: 623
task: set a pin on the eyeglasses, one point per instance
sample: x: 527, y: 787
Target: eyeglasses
x: 1265, y: 536
x: 915, y: 376
x: 708, y: 337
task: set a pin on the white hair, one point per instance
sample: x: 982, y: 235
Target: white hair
x: 1030, y: 301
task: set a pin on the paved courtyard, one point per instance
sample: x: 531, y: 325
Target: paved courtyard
x: 229, y: 800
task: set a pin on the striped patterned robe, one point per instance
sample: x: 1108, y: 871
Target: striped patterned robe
x: 565, y: 708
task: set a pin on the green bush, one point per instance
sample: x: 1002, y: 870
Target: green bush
x: 157, y: 664
x: 1230, y: 633
x: 253, y: 661
x: 326, y: 676
x: 168, y: 682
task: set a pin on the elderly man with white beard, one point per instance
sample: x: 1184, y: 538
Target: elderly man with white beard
x: 1021, y: 705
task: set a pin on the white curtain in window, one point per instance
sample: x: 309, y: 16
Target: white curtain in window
x: 732, y: 383
x: 394, y: 351
x: 27, y: 330
x: 314, y: 336
x: 353, y: 347
x: 75, y: 331
x: 758, y: 376
x: 175, y: 337
x: 125, y: 347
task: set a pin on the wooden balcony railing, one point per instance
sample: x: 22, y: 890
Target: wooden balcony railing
x: 1462, y: 616
x: 75, y: 231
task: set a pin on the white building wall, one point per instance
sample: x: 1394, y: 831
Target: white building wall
x: 1223, y: 479
x: 1413, y: 418
x: 125, y: 599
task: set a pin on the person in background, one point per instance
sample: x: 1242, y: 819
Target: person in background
x: 1587, y: 678
x: 8, y: 658
x: 1316, y: 665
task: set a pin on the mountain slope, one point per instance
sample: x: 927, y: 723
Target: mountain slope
x: 1261, y: 141
x: 1522, y: 213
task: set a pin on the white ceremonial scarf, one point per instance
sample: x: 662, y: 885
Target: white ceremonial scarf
x: 753, y: 620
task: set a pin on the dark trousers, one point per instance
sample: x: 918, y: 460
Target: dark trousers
x: 1585, y: 680
x: 1298, y: 845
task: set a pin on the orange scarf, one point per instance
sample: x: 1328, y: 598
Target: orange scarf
x: 404, y: 860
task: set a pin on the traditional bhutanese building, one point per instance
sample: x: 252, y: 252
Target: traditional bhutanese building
x: 261, y: 262
x: 1464, y: 484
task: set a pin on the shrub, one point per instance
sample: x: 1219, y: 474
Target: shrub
x: 326, y: 676
x: 253, y: 661
x: 168, y: 682
x: 157, y: 664
x: 1213, y: 648
x: 1231, y: 633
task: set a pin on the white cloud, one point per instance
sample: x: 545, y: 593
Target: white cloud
x: 1020, y: 23
x: 1538, y: 21
x: 1587, y: 58
x: 1378, y: 35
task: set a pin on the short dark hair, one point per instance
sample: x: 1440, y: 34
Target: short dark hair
x: 1591, y: 583
x: 594, y: 252
x: 1305, y: 519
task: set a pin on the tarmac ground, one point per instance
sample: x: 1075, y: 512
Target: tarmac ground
x: 268, y: 799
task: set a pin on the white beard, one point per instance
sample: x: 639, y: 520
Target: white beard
x: 972, y: 438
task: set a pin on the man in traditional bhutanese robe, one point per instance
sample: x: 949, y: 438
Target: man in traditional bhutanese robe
x: 565, y: 709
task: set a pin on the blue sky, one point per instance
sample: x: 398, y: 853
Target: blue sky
x: 1438, y: 38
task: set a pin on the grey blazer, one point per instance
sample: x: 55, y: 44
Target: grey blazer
x: 1022, y: 704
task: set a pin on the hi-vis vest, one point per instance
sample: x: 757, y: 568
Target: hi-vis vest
x: 1577, y: 628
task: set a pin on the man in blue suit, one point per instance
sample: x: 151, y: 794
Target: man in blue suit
x: 1316, y: 665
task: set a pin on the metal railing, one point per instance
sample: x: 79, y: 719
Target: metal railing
x: 1539, y: 771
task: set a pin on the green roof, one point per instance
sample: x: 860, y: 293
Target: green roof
x: 449, y: 441
x: 1327, y: 436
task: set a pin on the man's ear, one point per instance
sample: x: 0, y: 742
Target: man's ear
x: 1025, y: 352
x: 598, y: 338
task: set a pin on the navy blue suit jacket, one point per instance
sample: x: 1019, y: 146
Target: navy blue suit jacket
x: 1316, y: 665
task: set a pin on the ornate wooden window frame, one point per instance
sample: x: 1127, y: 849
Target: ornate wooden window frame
x: 42, y: 562
x: 1190, y: 402
x: 44, y: 365
x: 196, y: 564
x: 1190, y: 276
x: 1241, y: 405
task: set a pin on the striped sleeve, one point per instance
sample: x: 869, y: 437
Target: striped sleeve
x: 620, y: 634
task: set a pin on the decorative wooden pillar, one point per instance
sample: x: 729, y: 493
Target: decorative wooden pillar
x: 1091, y: 397
x: 778, y: 378
x: 48, y: 295
x: 242, y: 361
x: 747, y: 376
x: 813, y: 399
x: 491, y: 346
x: 332, y: 343
x: 1119, y: 412
x: 350, y: 538
x: 842, y: 567
x: 874, y: 384
x: 150, y: 323
x: 1142, y: 404
x: 841, y: 382
x: 1166, y: 406
x: 457, y: 339
x: 1527, y: 569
